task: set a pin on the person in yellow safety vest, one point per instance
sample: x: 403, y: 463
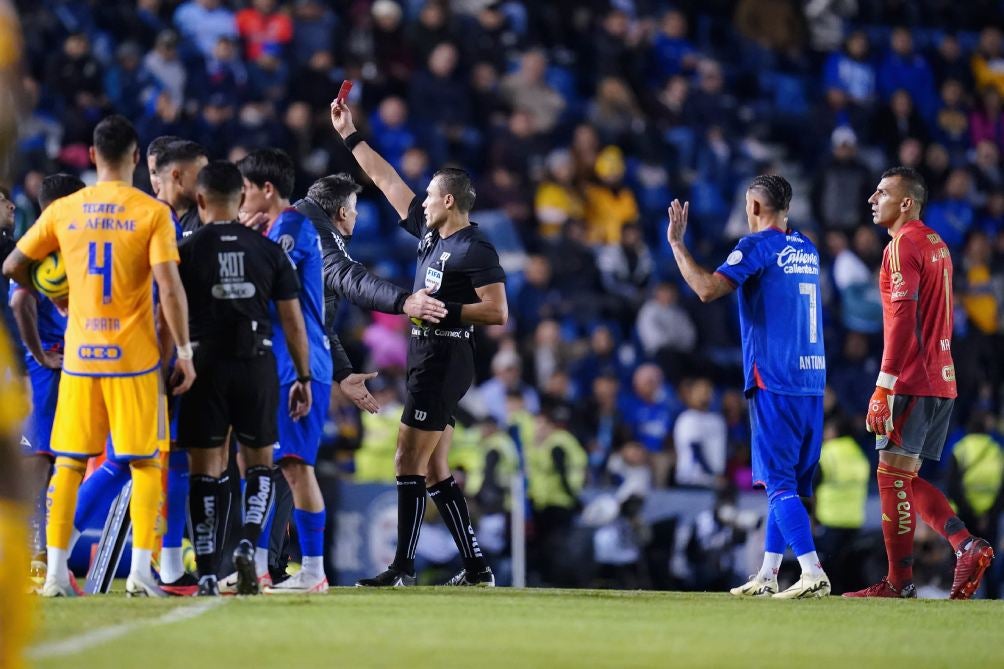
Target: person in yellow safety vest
x: 841, y: 494
x: 975, y: 483
x: 501, y: 464
x: 556, y: 471
x: 375, y: 457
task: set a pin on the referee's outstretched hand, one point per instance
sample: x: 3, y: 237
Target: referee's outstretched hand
x: 300, y: 399
x: 354, y: 387
x: 420, y: 305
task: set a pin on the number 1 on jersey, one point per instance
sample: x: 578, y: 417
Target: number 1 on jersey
x: 809, y: 290
x: 104, y: 270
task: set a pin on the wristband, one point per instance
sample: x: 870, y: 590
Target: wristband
x: 185, y: 352
x: 353, y: 140
x: 886, y: 380
x: 452, y: 319
x: 305, y: 379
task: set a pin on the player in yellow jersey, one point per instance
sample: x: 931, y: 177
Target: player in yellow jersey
x: 115, y: 241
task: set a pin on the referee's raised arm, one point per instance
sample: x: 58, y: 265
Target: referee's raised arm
x: 379, y: 170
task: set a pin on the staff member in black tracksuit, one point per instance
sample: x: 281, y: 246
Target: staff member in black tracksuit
x: 330, y: 205
x: 231, y: 274
x: 458, y: 265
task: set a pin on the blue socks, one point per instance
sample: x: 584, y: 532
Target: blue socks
x: 793, y: 521
x: 310, y: 528
x: 98, y: 492
x: 177, y: 498
x: 774, y: 541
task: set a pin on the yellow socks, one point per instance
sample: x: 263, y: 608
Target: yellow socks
x: 62, y: 501
x: 144, y: 508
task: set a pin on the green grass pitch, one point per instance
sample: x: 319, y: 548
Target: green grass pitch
x: 439, y: 627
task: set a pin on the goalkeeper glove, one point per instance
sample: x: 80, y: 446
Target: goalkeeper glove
x: 879, y: 419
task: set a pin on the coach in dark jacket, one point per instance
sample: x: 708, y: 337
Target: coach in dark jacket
x: 331, y: 206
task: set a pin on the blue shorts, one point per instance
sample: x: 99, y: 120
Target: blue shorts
x: 302, y: 438
x: 44, y: 393
x: 787, y: 438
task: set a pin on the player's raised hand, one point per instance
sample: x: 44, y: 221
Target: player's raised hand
x: 354, y: 387
x: 677, y: 222
x: 182, y: 377
x: 420, y: 305
x: 300, y: 399
x: 341, y: 118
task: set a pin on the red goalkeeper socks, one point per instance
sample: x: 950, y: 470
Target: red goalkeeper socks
x: 934, y: 509
x: 898, y: 522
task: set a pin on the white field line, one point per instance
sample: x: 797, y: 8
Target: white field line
x: 82, y: 642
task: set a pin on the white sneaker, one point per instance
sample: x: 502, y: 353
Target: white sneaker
x: 300, y: 583
x: 140, y: 585
x: 807, y: 587
x: 756, y: 587
x: 228, y: 586
x: 53, y: 588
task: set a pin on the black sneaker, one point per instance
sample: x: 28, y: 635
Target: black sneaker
x: 392, y: 578
x: 186, y: 586
x: 208, y: 587
x: 247, y: 577
x: 481, y: 579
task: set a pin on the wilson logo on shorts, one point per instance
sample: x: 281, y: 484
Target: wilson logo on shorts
x: 420, y: 415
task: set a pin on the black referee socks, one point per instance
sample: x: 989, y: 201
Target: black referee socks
x: 203, y: 516
x: 453, y: 509
x: 257, y: 500
x: 410, y: 513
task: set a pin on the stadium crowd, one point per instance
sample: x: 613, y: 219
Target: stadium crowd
x: 581, y: 121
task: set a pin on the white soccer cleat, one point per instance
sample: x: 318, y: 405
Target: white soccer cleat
x: 140, y: 585
x: 228, y: 586
x: 756, y: 587
x: 299, y: 584
x: 54, y: 588
x: 807, y: 587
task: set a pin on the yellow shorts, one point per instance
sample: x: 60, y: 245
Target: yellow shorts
x: 132, y: 408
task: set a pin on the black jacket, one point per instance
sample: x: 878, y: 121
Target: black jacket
x: 346, y: 278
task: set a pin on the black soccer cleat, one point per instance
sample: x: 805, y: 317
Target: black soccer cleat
x: 208, y: 587
x: 247, y: 577
x: 481, y: 579
x: 392, y: 578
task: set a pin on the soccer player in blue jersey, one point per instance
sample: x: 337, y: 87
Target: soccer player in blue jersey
x: 42, y: 329
x: 268, y: 183
x: 776, y: 271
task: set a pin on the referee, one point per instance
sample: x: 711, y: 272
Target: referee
x: 231, y: 274
x: 459, y: 266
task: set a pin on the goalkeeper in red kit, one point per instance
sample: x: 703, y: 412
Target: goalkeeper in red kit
x: 911, y: 408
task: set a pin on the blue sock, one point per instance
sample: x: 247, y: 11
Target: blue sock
x: 310, y: 528
x: 98, y: 492
x: 177, y: 498
x: 793, y: 520
x: 774, y: 540
x: 244, y: 485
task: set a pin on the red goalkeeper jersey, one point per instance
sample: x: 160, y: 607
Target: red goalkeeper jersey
x: 916, y: 287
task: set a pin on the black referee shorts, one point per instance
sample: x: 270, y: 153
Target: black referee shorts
x: 440, y: 370
x: 243, y: 394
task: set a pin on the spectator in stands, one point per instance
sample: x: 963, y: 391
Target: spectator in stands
x: 987, y: 173
x: 390, y: 131
x: 950, y: 213
x: 527, y: 90
x: 316, y: 81
x: 74, y: 74
x: 981, y: 302
x: 507, y: 372
x: 850, y: 373
x: 667, y: 332
x: 842, y: 186
x: 860, y: 303
x: 699, y: 438
x: 615, y: 48
x: 711, y: 104
x: 672, y: 113
x: 263, y: 25
x: 389, y: 48
x: 950, y: 62
x: 204, y: 22
x: 672, y: 52
x: 164, y: 65
x: 951, y: 125
x: 987, y: 120
x: 125, y: 82
x: 575, y: 274
x: 991, y: 219
x: 490, y: 109
x: 647, y: 412
x: 557, y: 199
x: 548, y: 353
x: 988, y: 61
x: 603, y: 429
x: 600, y: 358
x: 315, y: 26
x: 435, y: 26
x: 898, y: 121
x: 626, y: 268
x: 224, y: 73
x: 609, y: 203
x: 903, y: 68
x: 936, y: 167
x: 614, y: 112
x: 852, y: 70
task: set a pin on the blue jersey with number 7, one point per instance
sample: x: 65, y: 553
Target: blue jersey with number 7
x: 780, y: 314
